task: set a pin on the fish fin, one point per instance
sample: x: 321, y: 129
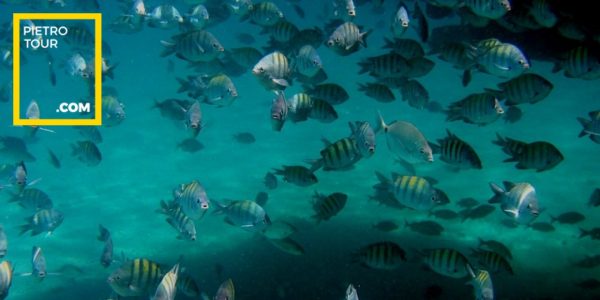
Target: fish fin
x: 498, y: 192
x: 379, y: 123
x: 511, y: 159
x: 247, y: 226
x: 34, y: 181
x: 281, y: 81
x: 513, y: 212
x: 503, y: 68
x: 585, y: 123
x: 169, y: 48
x: 508, y: 185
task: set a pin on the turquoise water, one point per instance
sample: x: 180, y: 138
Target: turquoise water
x: 141, y: 165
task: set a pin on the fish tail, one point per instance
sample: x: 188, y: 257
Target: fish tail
x: 498, y: 191
x: 362, y: 38
x: 379, y: 123
x: 169, y: 48
x: 583, y: 232
x: 585, y: 123
x: 500, y: 141
x: 219, y: 207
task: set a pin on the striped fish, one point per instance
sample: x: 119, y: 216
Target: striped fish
x: 447, y: 262
x: 415, y: 94
x: 322, y: 111
x: 328, y: 206
x: 273, y: 70
x: 346, y: 38
x: 87, y: 152
x: 279, y: 111
x: 344, y: 5
x: 264, y: 14
x: 220, y: 91
x: 226, y: 291
x: 591, y: 127
x: 411, y: 191
x: 496, y: 246
x: 518, y: 200
x: 377, y: 91
x: 113, y: 112
x: 340, y: 155
x: 193, y: 46
x: 400, y: 22
x: 179, y: 220
x: 45, y: 220
x: 134, y: 278
x: 510, y: 146
x: 298, y: 175
x: 193, y: 118
x: 539, y: 155
x: 580, y: 62
x: 457, y: 152
x: 482, y: 285
x: 525, y: 88
x: 3, y: 242
x: 32, y: 199
x: 244, y: 213
x: 167, y: 288
x: 332, y: 93
x: 282, y: 31
x: 38, y: 263
x: 390, y: 65
x: 408, y: 48
x: 192, y: 199
x: 198, y: 17
x: 6, y: 276
x: 164, y: 16
x: 300, y: 106
x: 364, y: 135
x: 80, y: 37
x: 505, y: 60
x: 308, y: 62
x: 493, y: 261
x: 479, y: 108
x: 383, y: 255
x: 491, y: 9
x: 187, y: 285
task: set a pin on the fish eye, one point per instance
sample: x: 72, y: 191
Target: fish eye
x: 404, y: 24
x: 422, y: 151
x: 330, y: 43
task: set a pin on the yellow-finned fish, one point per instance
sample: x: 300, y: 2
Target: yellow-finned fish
x: 406, y: 141
x: 167, y: 288
x: 6, y: 276
x: 483, y: 287
x: 134, y: 278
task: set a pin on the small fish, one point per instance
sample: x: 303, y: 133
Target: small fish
x: 594, y: 233
x: 3, y: 243
x: 386, y: 226
x: 32, y: 199
x: 591, y: 126
x: 457, y: 152
x: 168, y: 285
x: 164, y: 16
x: 193, y: 118
x: 411, y: 191
x: 244, y: 138
x: 333, y: 93
x: 525, y: 88
x: 594, y: 198
x: 518, y: 200
x: 430, y: 228
x: 491, y: 9
x: 264, y: 14
x: 261, y: 198
x: 326, y: 207
x: 192, y: 199
x: 571, y: 217
x: 197, y: 17
x: 493, y: 261
x: 542, y: 226
x: 504, y: 60
x: 377, y: 91
x: 364, y: 136
x: 136, y: 277
x: 273, y: 71
x: 45, y: 220
x: 187, y: 285
x: 87, y: 152
x: 400, y: 22
x: 447, y: 262
x: 77, y: 66
x: 194, y: 46
x: 580, y: 62
x: 245, y: 214
x: 406, y: 141
x: 288, y: 246
x: 479, y: 108
x: 279, y: 111
x: 495, y: 246
x: 346, y: 39
x: 179, y: 221
x: 444, y: 214
x: 351, y: 293
x: 113, y: 111
x: 38, y: 263
x: 190, y: 145
x: 308, y: 62
x: 483, y: 287
x: 589, y: 262
x: 6, y: 276
x: 298, y: 175
x: 382, y: 255
x: 54, y: 159
x: 226, y: 291
x: 282, y: 31
x: 337, y: 156
x: 270, y: 181
x: 539, y: 155
x: 279, y: 230
x: 220, y: 91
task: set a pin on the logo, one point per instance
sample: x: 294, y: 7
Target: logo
x: 30, y: 37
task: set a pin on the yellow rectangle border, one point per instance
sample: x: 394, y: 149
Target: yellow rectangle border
x: 97, y: 18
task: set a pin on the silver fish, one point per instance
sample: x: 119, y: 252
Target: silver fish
x: 244, y: 213
x: 192, y: 198
x: 279, y: 111
x: 351, y: 293
x: 164, y: 16
x: 364, y: 136
x: 273, y: 68
x: 518, y: 200
x: 346, y: 37
x: 406, y: 141
x: 400, y: 22
x: 38, y: 263
x: 482, y: 285
x: 167, y: 288
x: 308, y: 62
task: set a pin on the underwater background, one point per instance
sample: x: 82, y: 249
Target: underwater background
x: 142, y: 164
